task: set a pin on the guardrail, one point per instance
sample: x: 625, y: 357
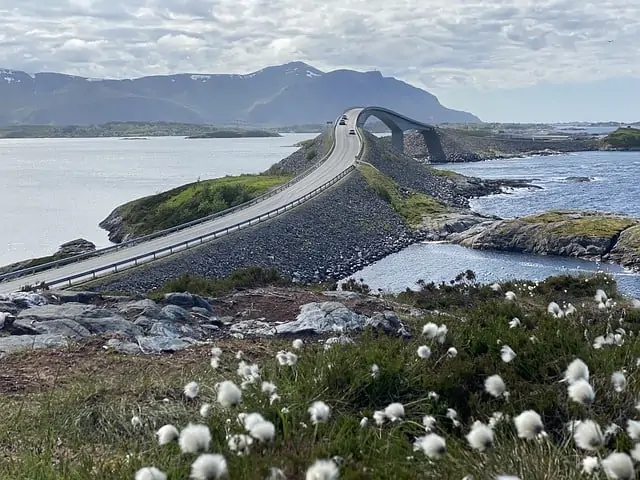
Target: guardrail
x: 153, y: 255
x: 161, y: 233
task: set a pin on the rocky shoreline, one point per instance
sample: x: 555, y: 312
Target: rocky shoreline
x: 135, y: 324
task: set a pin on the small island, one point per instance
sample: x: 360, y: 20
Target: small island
x: 235, y: 134
x: 131, y: 131
x: 627, y: 138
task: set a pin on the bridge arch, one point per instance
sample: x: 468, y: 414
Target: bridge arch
x: 398, y: 124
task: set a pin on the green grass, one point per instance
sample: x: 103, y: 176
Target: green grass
x: 588, y: 224
x: 444, y: 173
x: 251, y: 277
x: 412, y: 206
x: 623, y: 138
x: 195, y: 200
x: 66, y: 414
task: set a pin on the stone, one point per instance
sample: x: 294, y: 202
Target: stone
x: 72, y: 311
x: 16, y: 343
x: 68, y: 296
x: 25, y: 299
x: 75, y: 247
x: 146, y: 307
x: 176, y: 313
x: 63, y: 326
x: 342, y: 294
x: 115, y: 325
x: 252, y: 327
x: 184, y: 300
x: 323, y: 318
x: 8, y: 307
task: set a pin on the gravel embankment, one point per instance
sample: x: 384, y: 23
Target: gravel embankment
x: 333, y: 235
x: 461, y: 147
x: 305, y: 157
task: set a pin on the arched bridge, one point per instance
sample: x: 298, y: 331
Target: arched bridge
x: 398, y: 124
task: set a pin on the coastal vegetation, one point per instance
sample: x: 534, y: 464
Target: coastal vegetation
x: 530, y: 379
x: 138, y: 130
x: 623, y: 138
x: 581, y: 223
x: 193, y: 201
x: 413, y: 206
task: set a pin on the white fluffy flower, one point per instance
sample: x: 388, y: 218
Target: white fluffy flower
x: 452, y: 352
x: 633, y: 429
x: 555, y: 310
x: 510, y: 296
x: 600, y: 296
x: 429, y: 422
x: 590, y: 465
x: 229, y: 394
x: 379, y: 417
x: 136, y: 422
x: 240, y: 443
x: 319, y: 412
x: 364, y: 422
x: 507, y: 354
x: 264, y: 431
x: 191, y: 389
x: 635, y: 452
x: 529, y: 425
x: 375, y: 371
x: 150, y: 473
x: 297, y: 344
x: 167, y: 434
x: 215, y: 362
x: 394, y: 411
x: 480, y: 437
x: 581, y: 392
x: 618, y: 466
x: 287, y: 358
x: 432, y: 445
x: 216, y: 352
x: 494, y: 385
x: 194, y: 438
x: 619, y: 381
x: 588, y: 435
x: 323, y: 470
x: 515, y: 323
x: 269, y: 388
x: 453, y: 416
x: 205, y: 409
x: 424, y: 351
x: 577, y: 370
x: 209, y: 466
x: 430, y: 330
x: 275, y: 474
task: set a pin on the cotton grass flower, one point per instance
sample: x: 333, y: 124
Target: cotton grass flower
x: 205, y: 409
x: 618, y: 466
x: 229, y: 394
x: 364, y: 422
x: 429, y: 422
x: 452, y: 352
x: 507, y: 354
x: 576, y: 370
x: 432, y: 445
x: 375, y: 371
x: 319, y: 412
x: 619, y: 381
x: 480, y: 437
x: 209, y: 466
x: 323, y: 470
x: 275, y: 474
x: 453, y: 416
x: 600, y: 296
x: 581, y: 392
x: 240, y: 443
x: 424, y: 352
x: 214, y: 362
x: 430, y: 330
x: 515, y: 323
x: 297, y: 344
x: 529, y: 425
x: 633, y: 429
x: 635, y: 452
x: 216, y: 352
x: 191, y: 390
x: 167, y: 434
x: 555, y: 310
x: 194, y: 438
x: 286, y: 358
x: 588, y: 435
x: 248, y: 420
x: 394, y: 412
x: 494, y: 385
x: 264, y: 431
x: 150, y: 473
x: 510, y: 296
x: 590, y: 465
x: 136, y: 422
x: 379, y: 417
x: 269, y: 388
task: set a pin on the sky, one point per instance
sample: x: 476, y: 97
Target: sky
x: 503, y: 60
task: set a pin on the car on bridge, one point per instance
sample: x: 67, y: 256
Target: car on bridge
x: 352, y: 132
x: 342, y: 122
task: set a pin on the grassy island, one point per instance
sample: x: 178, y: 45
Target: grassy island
x: 623, y: 138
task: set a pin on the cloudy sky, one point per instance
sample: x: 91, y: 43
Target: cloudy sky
x: 504, y: 60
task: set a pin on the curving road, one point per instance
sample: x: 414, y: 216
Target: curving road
x: 342, y: 157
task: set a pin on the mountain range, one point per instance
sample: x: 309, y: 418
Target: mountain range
x: 289, y: 94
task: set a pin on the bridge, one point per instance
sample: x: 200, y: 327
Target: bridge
x: 398, y: 124
x: 339, y: 162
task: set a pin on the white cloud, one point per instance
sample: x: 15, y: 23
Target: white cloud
x: 437, y: 44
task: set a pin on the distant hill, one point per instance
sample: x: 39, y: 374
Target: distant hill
x: 294, y: 93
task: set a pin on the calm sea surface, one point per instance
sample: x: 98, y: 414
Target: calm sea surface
x: 614, y: 187
x: 55, y: 190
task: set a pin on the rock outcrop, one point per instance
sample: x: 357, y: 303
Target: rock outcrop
x: 588, y: 235
x: 141, y: 325
x: 68, y: 249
